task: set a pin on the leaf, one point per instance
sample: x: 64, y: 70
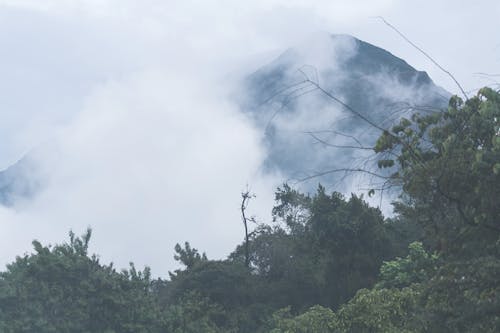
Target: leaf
x: 385, y: 163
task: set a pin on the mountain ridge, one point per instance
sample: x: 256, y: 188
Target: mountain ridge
x: 371, y: 80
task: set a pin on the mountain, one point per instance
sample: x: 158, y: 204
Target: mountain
x: 308, y: 133
x: 21, y: 180
x: 301, y: 125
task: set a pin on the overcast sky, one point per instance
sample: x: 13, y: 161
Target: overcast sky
x: 132, y: 98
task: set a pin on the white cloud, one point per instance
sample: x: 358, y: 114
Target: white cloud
x: 133, y: 94
x: 150, y: 161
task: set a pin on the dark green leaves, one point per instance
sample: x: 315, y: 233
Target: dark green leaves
x: 385, y: 163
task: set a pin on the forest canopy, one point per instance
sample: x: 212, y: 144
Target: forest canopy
x: 327, y: 263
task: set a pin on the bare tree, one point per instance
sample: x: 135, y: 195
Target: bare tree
x: 245, y: 198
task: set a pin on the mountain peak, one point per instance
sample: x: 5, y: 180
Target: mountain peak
x: 372, y: 81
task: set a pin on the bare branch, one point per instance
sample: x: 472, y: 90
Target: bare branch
x: 337, y: 133
x: 246, y: 196
x: 290, y: 98
x: 346, y: 170
x: 485, y: 74
x: 346, y: 106
x: 425, y: 54
x: 280, y: 92
x: 328, y: 144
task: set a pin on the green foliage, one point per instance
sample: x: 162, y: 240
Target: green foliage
x: 381, y: 311
x: 464, y: 296
x: 448, y: 170
x: 370, y: 311
x: 322, y: 249
x: 327, y: 264
x: 222, y: 282
x: 292, y: 208
x: 419, y: 266
x: 350, y: 241
x: 194, y: 313
x: 385, y: 163
x: 188, y: 256
x: 317, y: 319
x: 225, y: 284
x: 62, y: 289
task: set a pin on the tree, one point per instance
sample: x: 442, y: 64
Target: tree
x: 322, y: 249
x: 351, y: 241
x: 381, y: 311
x: 448, y: 166
x: 418, y: 267
x: 194, y: 313
x: 188, y: 256
x: 245, y: 198
x: 62, y: 289
x: 316, y: 319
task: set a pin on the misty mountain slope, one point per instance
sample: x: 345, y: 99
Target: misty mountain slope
x: 377, y: 84
x: 19, y: 181
x: 302, y: 124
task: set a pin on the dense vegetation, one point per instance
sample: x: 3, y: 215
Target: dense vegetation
x: 326, y: 264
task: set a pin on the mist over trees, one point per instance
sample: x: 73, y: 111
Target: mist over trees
x: 327, y: 263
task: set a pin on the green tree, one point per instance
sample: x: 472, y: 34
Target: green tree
x: 464, y: 296
x: 188, y: 256
x: 194, y: 313
x: 382, y: 311
x: 418, y: 267
x: 316, y: 319
x: 448, y: 166
x: 322, y: 249
x: 351, y: 241
x: 62, y: 289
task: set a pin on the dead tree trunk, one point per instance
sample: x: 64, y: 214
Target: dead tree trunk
x: 246, y: 196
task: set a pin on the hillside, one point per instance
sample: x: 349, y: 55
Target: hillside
x: 300, y: 120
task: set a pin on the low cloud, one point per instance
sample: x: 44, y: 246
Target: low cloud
x: 148, y: 162
x: 127, y: 104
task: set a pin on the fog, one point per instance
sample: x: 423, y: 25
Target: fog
x: 128, y: 107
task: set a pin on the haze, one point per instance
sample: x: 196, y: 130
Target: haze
x: 128, y: 108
